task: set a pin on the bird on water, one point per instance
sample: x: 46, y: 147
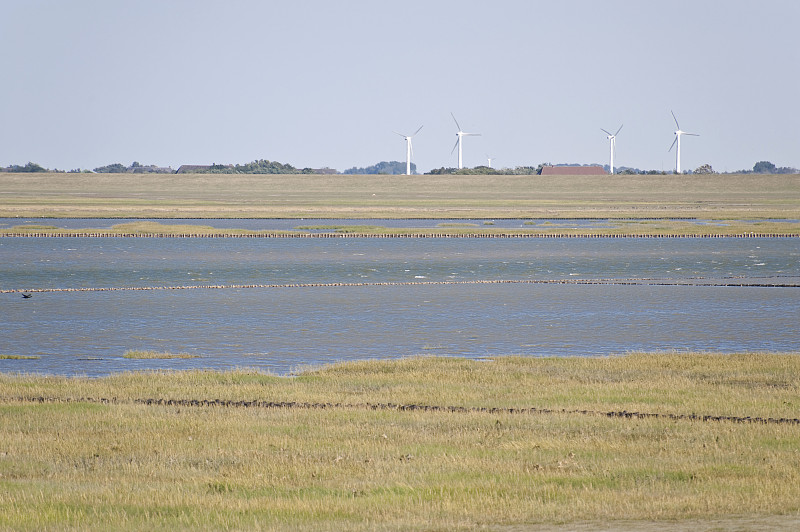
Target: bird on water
x: 27, y: 296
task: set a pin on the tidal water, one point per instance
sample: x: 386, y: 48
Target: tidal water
x: 325, y: 300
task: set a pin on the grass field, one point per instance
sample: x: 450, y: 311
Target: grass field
x: 639, y: 442
x: 335, y: 452
x: 727, y: 197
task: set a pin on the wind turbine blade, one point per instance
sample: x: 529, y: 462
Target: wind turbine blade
x: 676, y: 120
x: 454, y: 147
x: 417, y: 131
x: 673, y: 144
x: 692, y: 134
x: 396, y: 133
x: 606, y: 132
x: 472, y: 134
x: 456, y: 121
x: 620, y: 129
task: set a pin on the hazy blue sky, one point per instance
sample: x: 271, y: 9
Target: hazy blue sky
x: 321, y: 83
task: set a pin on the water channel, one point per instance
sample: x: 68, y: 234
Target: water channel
x: 282, y: 304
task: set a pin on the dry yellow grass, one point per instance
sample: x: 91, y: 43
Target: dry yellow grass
x: 149, y: 355
x: 613, y: 228
x: 346, y: 196
x: 74, y: 462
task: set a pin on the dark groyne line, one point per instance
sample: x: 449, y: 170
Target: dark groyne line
x: 393, y: 235
x: 615, y: 282
x: 224, y: 403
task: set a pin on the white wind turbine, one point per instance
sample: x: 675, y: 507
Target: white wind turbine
x: 409, y: 149
x: 677, y: 141
x: 612, y: 148
x: 490, y: 159
x: 460, y: 135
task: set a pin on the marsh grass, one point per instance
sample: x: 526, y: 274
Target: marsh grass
x: 69, y: 463
x: 611, y: 228
x: 344, y: 228
x: 149, y: 355
x: 457, y: 225
x: 33, y: 228
x: 351, y: 196
x: 18, y: 357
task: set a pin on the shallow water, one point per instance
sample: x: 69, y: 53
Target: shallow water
x: 287, y: 224
x: 303, y: 225
x: 279, y: 328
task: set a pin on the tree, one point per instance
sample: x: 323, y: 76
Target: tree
x: 705, y: 169
x: 28, y: 168
x: 764, y: 167
x: 33, y: 167
x: 116, y: 168
x: 383, y: 167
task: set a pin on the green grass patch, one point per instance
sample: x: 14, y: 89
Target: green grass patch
x: 148, y: 355
x: 33, y: 228
x: 123, y: 465
x: 19, y: 357
x: 343, y: 228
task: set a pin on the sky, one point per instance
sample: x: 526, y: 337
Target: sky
x: 317, y: 83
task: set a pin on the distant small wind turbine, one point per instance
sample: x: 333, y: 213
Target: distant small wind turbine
x: 490, y: 159
x: 409, y: 149
x: 460, y: 135
x: 612, y: 148
x: 677, y: 141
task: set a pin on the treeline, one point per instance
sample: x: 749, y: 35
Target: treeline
x: 135, y: 168
x: 263, y: 166
x: 486, y: 170
x: 383, y: 167
x: 31, y: 168
x: 28, y: 168
x: 766, y: 167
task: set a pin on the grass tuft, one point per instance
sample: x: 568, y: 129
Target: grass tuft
x: 147, y: 355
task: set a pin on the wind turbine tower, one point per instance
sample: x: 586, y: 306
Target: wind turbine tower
x: 678, y: 134
x: 409, y: 149
x: 461, y: 134
x: 612, y: 147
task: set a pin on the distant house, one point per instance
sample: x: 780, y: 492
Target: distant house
x: 573, y: 170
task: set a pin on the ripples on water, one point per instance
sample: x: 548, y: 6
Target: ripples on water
x: 282, y: 328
